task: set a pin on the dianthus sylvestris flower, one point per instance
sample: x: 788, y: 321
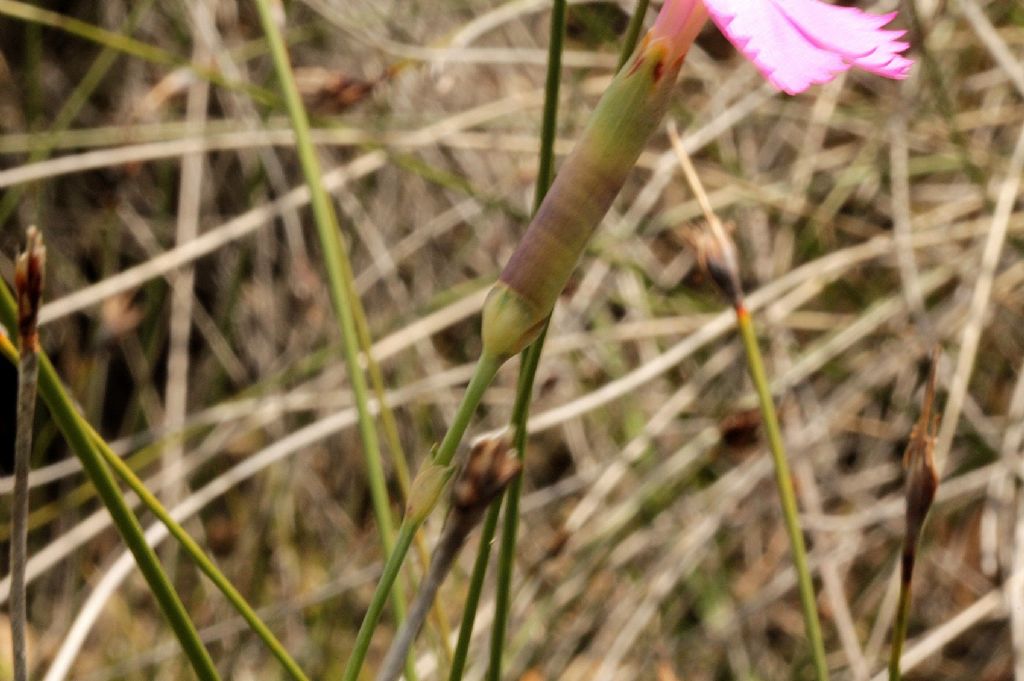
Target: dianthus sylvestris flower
x: 796, y: 43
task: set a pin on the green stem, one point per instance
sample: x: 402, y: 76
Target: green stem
x: 899, y: 632
x: 484, y: 373
x: 510, y: 524
x: 394, y: 444
x: 486, y: 368
x: 70, y: 423
x: 549, y: 120
x: 530, y: 362
x: 636, y: 24
x: 339, y: 273
x: 125, y: 472
x: 787, y: 496
x: 394, y: 563
x: 476, y: 586
x: 530, y: 356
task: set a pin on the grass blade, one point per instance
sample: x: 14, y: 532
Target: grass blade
x: 71, y: 423
x: 717, y: 254
x: 339, y: 272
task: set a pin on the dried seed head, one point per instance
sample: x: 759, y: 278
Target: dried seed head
x: 28, y: 285
x: 491, y: 466
x: 716, y: 255
x: 716, y: 252
x: 330, y: 91
x: 919, y: 460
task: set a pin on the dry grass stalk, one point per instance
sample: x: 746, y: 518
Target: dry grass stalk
x: 491, y: 465
x: 808, y: 177
x: 921, y: 485
x: 28, y: 287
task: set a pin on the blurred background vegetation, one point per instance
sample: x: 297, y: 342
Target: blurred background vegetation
x: 873, y: 218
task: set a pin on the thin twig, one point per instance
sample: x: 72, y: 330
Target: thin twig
x: 426, y: 490
x: 717, y: 255
x: 28, y: 285
x: 190, y: 195
x: 490, y: 467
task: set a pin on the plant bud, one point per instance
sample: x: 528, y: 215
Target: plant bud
x: 426, y: 489
x: 716, y: 255
x: 28, y: 286
x: 919, y: 461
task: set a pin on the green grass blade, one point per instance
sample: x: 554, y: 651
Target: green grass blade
x: 636, y: 24
x: 340, y: 278
x: 202, y: 561
x: 476, y: 586
x: 71, y: 424
x: 787, y: 496
x: 484, y: 373
x: 531, y: 356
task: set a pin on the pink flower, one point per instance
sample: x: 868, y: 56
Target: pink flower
x: 794, y: 43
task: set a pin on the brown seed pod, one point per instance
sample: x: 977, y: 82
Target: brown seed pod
x: 28, y: 285
x: 919, y: 460
x: 491, y: 465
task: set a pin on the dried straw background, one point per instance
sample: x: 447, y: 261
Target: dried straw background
x: 874, y: 219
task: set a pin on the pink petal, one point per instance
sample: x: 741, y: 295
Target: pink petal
x: 798, y: 43
x: 770, y: 40
x: 851, y: 33
x: 678, y: 23
x: 673, y: 16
